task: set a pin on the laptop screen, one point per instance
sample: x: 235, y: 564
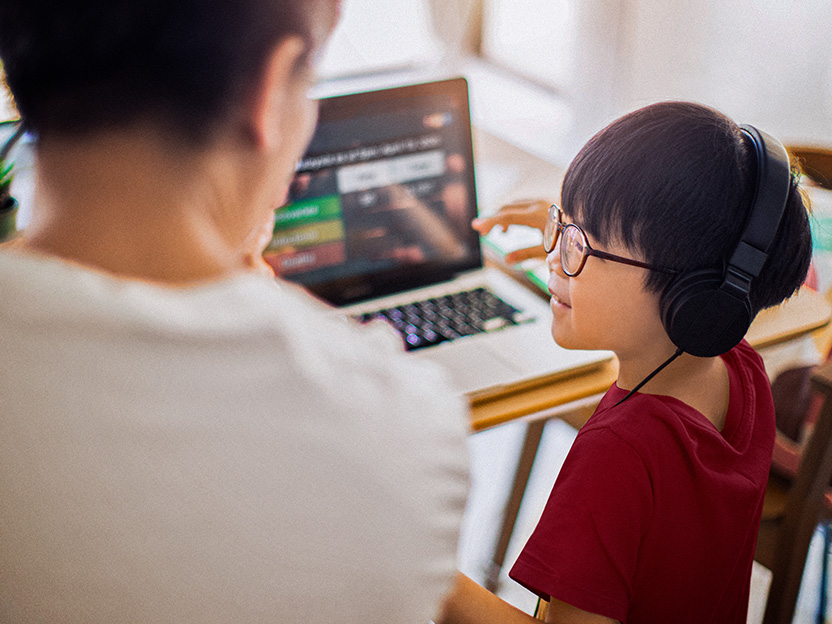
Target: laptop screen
x: 383, y: 199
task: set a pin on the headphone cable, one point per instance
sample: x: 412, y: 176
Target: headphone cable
x: 650, y: 376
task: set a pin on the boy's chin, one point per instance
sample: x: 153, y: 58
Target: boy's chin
x: 564, y: 341
x: 567, y: 341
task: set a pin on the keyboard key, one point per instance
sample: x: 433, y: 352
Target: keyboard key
x: 425, y: 323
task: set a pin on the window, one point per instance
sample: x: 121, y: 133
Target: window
x: 570, y: 53
x: 380, y: 35
x: 534, y: 38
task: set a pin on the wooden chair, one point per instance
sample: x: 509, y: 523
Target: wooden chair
x: 793, y: 509
x: 815, y: 162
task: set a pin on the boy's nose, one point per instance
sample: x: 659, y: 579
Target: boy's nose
x: 553, y: 261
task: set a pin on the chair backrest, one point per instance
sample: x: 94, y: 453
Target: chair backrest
x: 805, y: 504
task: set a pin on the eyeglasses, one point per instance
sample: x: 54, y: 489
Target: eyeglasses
x: 575, y: 249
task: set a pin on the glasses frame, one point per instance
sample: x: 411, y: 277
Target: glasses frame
x: 555, y: 227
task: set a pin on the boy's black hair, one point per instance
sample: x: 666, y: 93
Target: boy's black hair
x: 673, y: 183
x: 87, y: 65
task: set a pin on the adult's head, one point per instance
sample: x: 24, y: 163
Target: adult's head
x: 188, y: 66
x: 673, y: 183
x: 164, y: 125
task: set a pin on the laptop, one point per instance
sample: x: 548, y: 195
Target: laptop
x: 378, y: 223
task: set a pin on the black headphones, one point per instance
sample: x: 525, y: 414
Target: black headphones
x: 707, y: 312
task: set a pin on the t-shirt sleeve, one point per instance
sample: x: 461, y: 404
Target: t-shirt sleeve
x: 585, y: 547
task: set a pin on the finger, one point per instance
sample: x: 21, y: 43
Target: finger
x: 528, y: 253
x: 531, y: 213
x: 484, y: 225
x: 524, y: 204
x: 505, y: 218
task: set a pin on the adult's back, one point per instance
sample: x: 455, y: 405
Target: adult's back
x: 231, y: 452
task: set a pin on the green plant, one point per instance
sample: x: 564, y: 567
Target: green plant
x: 8, y: 204
x: 7, y: 166
x: 6, y: 177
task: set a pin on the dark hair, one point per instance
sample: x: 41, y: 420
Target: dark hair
x: 673, y: 183
x: 86, y: 65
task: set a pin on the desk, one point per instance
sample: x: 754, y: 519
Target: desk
x: 573, y: 399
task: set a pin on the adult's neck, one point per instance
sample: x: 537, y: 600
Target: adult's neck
x: 131, y: 204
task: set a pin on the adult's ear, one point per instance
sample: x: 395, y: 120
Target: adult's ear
x: 272, y: 91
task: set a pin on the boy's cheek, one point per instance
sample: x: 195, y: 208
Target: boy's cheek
x: 617, y: 312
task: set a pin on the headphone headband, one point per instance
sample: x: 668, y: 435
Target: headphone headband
x: 768, y: 203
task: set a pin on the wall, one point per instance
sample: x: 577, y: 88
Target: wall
x: 766, y: 62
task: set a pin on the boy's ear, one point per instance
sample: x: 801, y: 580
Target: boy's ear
x: 272, y: 90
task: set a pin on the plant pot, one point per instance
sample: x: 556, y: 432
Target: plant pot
x: 8, y: 219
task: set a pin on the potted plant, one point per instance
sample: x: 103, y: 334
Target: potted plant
x: 8, y: 204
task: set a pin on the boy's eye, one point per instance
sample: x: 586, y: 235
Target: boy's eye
x: 574, y: 242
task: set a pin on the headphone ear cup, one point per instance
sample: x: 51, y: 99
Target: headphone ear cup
x: 700, y: 317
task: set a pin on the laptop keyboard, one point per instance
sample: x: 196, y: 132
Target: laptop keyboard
x: 429, y: 322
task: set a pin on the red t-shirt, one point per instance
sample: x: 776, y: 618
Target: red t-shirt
x: 654, y: 515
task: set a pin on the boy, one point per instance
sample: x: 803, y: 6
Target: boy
x: 655, y: 513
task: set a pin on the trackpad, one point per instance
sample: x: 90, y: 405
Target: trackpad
x: 473, y: 366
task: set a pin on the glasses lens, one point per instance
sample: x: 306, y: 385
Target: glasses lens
x: 572, y: 249
x: 550, y: 230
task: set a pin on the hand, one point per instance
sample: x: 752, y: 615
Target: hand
x: 469, y: 603
x: 531, y: 213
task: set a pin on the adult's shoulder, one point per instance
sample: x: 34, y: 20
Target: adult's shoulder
x: 364, y: 367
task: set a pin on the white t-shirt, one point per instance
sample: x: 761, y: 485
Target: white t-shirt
x: 234, y: 452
